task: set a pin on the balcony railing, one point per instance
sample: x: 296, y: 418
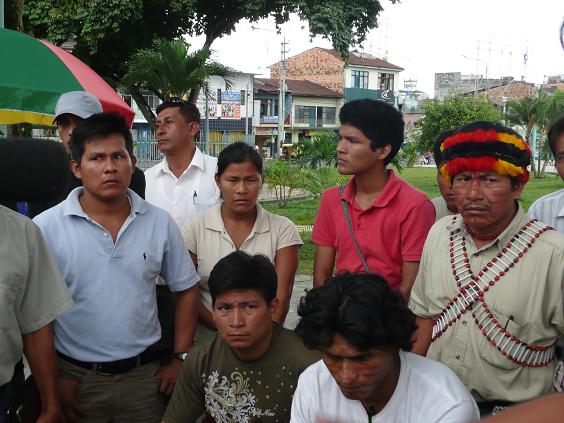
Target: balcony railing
x: 269, y: 120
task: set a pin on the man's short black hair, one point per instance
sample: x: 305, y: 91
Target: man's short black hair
x: 380, y: 122
x: 556, y: 129
x: 437, y: 146
x: 96, y: 127
x: 240, y: 271
x: 362, y: 308
x: 187, y: 109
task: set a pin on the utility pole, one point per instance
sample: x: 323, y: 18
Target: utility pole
x: 207, y: 121
x: 3, y: 128
x: 282, y: 97
x: 247, y: 114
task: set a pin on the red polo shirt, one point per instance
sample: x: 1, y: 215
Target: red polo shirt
x: 392, y: 230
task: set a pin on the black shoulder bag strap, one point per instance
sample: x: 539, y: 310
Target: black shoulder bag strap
x: 349, y: 225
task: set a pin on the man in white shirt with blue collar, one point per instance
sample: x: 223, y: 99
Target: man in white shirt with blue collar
x: 110, y: 245
x: 183, y: 183
x: 550, y: 208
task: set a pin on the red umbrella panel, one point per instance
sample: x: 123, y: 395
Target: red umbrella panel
x: 39, y: 73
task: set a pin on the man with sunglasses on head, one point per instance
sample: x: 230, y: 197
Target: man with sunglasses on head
x: 183, y: 183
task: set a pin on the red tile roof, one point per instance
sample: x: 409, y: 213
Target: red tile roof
x: 296, y: 87
x: 355, y: 59
x: 364, y: 59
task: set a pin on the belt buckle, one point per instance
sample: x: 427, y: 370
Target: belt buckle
x: 97, y: 368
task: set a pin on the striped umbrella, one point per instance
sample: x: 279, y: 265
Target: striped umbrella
x: 34, y: 73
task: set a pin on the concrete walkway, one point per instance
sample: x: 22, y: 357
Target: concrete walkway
x: 301, y: 283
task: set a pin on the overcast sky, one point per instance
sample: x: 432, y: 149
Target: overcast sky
x: 424, y: 37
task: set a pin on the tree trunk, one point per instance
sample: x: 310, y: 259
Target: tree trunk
x: 528, y: 142
x: 144, y: 107
x: 193, y: 97
x: 539, y: 167
x: 14, y: 15
x: 194, y: 93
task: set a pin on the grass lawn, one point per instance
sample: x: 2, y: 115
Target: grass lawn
x: 303, y: 212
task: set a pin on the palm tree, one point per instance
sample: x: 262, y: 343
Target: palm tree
x: 535, y: 113
x: 318, y: 151
x: 524, y: 113
x: 169, y: 69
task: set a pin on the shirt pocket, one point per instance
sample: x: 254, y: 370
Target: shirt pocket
x: 8, y: 295
x: 490, y: 354
x: 151, y: 265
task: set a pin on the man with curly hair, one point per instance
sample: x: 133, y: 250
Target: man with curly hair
x: 363, y: 329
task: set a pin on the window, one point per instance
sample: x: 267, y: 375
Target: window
x: 359, y: 79
x: 328, y: 115
x: 303, y: 114
x: 152, y: 100
x: 243, y: 97
x: 387, y: 81
x: 269, y: 107
x: 127, y: 98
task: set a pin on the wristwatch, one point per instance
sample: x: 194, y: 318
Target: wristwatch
x: 179, y: 355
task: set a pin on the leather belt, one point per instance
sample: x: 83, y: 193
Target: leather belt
x: 111, y: 368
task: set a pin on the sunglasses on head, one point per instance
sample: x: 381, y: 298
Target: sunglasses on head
x: 171, y: 101
x: 174, y: 100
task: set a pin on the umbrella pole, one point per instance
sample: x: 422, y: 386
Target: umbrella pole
x: 3, y: 128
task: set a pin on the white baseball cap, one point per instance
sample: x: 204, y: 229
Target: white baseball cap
x: 80, y: 103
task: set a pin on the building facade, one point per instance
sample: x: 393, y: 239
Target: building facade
x: 362, y: 76
x: 309, y: 108
x: 450, y: 84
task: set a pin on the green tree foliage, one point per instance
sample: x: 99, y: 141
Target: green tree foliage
x: 341, y: 21
x: 451, y: 113
x: 318, y: 151
x: 537, y: 114
x: 169, y: 69
x: 409, y: 154
x: 284, y: 178
x: 107, y: 32
x: 318, y: 180
x: 525, y: 113
x: 553, y: 110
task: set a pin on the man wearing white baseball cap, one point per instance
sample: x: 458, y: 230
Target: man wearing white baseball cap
x: 71, y: 108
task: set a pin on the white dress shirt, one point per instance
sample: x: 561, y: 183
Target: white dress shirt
x: 550, y: 210
x: 195, y: 190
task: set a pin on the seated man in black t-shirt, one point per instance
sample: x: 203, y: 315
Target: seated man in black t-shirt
x: 249, y: 370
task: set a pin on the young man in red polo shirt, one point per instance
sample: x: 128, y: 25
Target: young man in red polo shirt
x: 389, y: 218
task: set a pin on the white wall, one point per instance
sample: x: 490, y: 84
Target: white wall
x: 316, y: 101
x: 243, y: 81
x: 373, y: 74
